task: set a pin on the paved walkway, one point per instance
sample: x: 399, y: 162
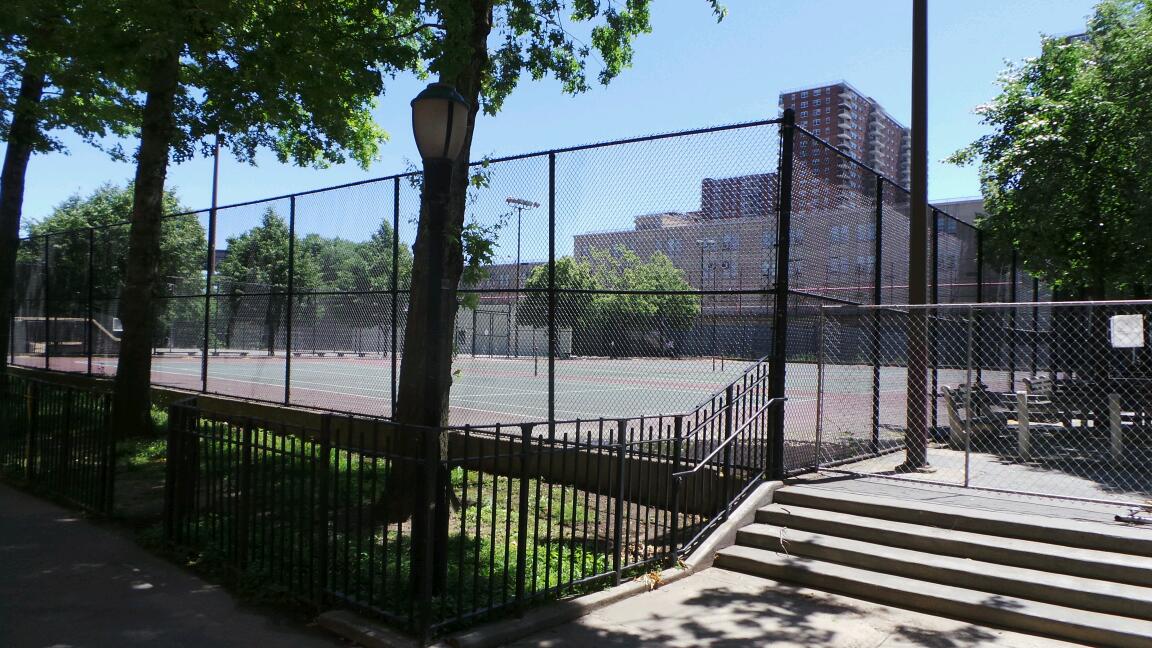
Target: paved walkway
x: 67, y: 582
x: 723, y: 608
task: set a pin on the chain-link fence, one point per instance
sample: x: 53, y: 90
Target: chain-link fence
x: 1041, y: 398
x: 629, y: 278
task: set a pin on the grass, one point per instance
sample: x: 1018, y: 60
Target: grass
x: 269, y: 540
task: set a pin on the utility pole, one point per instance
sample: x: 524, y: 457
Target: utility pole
x: 916, y: 438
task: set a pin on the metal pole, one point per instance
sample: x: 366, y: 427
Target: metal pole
x: 210, y: 264
x: 917, y: 435
x: 819, y: 387
x: 395, y: 282
x: 968, y: 399
x: 877, y: 298
x: 979, y: 297
x: 1012, y: 325
x: 291, y: 306
x: 778, y: 363
x: 88, y: 332
x: 934, y: 238
x: 551, y: 292
x: 47, y: 318
x: 514, y: 322
x: 1035, y: 323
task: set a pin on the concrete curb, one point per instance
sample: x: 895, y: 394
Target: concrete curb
x: 372, y: 635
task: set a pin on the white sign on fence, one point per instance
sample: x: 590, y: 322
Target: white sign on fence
x: 1127, y: 331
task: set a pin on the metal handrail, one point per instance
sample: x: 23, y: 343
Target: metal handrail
x: 700, y: 425
x: 729, y: 439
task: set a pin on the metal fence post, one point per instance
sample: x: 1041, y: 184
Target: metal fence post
x: 108, y: 459
x: 244, y: 497
x: 394, y: 285
x: 522, y: 518
x: 31, y: 438
x: 934, y: 298
x: 674, y: 530
x: 291, y: 305
x: 877, y: 297
x: 321, y: 512
x: 210, y: 273
x: 968, y: 398
x: 172, y: 468
x: 47, y: 308
x: 1012, y: 326
x: 618, y: 519
x: 552, y: 293
x: 1035, y: 334
x: 1116, y: 428
x: 1023, y: 429
x: 819, y: 388
x: 979, y: 299
x: 89, y: 314
x: 777, y: 365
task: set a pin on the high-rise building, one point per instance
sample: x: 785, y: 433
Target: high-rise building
x: 841, y: 115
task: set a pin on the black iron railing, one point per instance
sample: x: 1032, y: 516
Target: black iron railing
x: 57, y: 439
x: 506, y: 515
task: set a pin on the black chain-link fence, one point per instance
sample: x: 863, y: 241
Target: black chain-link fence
x: 657, y: 253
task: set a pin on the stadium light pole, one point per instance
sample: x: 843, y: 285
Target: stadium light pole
x: 707, y: 244
x: 916, y: 439
x: 519, y: 204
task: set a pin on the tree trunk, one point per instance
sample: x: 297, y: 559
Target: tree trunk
x: 132, y: 399
x: 425, y: 379
x: 21, y: 136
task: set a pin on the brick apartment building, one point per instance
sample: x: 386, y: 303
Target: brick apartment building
x: 841, y: 115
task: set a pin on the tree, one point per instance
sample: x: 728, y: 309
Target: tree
x: 526, y: 36
x: 298, y: 78
x: 94, y: 225
x: 257, y: 270
x: 651, y: 296
x: 54, y: 78
x: 1067, y: 171
x: 573, y: 307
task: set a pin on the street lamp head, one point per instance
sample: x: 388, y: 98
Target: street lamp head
x: 705, y: 242
x: 520, y: 202
x: 439, y: 122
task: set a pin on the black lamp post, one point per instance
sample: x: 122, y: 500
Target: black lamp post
x: 440, y: 125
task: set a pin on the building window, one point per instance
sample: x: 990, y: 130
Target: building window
x: 865, y: 232
x: 769, y: 238
x: 803, y: 113
x: 803, y: 104
x: 673, y: 246
x: 864, y: 263
x: 816, y: 122
x: 804, y: 94
x: 816, y: 92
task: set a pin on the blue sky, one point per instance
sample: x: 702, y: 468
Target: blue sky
x: 690, y: 72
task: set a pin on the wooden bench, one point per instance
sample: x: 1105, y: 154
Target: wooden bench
x: 988, y: 416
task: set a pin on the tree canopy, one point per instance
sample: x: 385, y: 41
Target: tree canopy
x: 1067, y: 171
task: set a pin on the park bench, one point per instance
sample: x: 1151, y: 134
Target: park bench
x: 988, y: 415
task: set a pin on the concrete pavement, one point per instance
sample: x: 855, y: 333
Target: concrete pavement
x: 723, y: 608
x: 67, y: 582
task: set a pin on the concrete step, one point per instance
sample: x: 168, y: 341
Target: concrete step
x: 1071, y: 533
x: 1092, y: 628
x: 1074, y: 561
x: 1058, y: 589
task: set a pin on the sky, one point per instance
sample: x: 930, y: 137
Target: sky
x: 689, y: 73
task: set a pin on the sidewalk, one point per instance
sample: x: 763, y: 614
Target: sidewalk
x: 723, y: 608
x: 67, y: 582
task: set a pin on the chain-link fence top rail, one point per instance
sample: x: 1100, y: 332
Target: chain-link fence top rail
x: 662, y: 251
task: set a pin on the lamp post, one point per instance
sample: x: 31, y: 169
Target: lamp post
x: 706, y: 244
x: 440, y: 126
x: 519, y: 204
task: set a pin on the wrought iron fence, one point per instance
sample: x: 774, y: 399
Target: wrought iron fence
x: 56, y: 439
x: 649, y: 266
x: 505, y: 515
x: 1042, y: 398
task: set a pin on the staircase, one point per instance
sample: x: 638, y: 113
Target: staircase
x: 1077, y: 581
